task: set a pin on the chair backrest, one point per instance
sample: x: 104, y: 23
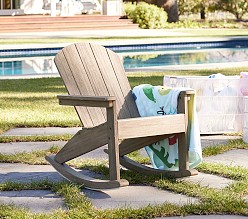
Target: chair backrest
x: 92, y: 70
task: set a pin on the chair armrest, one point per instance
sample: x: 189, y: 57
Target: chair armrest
x: 90, y: 101
x: 151, y: 126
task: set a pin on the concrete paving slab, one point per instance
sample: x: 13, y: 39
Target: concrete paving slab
x: 18, y: 147
x: 233, y: 157
x: 41, y: 131
x: 134, y: 196
x: 208, y: 180
x: 37, y: 201
x: 96, y: 154
x: 213, y: 140
x: 18, y: 172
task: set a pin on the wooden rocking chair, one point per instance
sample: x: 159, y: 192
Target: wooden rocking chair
x: 99, y: 89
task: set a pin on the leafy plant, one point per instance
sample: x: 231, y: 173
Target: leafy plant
x: 146, y: 15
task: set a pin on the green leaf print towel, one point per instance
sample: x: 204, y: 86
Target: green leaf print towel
x: 159, y: 101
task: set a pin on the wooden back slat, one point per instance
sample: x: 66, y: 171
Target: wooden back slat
x: 93, y: 70
x: 110, y: 79
x: 71, y: 86
x: 124, y: 84
x: 80, y: 79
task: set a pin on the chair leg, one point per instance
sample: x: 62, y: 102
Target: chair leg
x: 113, y: 144
x: 183, y: 153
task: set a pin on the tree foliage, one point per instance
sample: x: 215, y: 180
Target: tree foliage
x: 237, y: 7
x: 174, y: 8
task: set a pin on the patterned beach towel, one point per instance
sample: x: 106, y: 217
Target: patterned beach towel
x: 159, y: 101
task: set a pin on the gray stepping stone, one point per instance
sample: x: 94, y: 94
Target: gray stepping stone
x: 34, y: 173
x: 134, y: 196
x: 95, y: 154
x: 37, y: 201
x: 41, y: 131
x: 18, y: 147
x: 213, y: 140
x: 208, y: 180
x: 18, y: 172
x: 237, y: 157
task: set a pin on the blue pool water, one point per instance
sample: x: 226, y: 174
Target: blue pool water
x: 40, y: 61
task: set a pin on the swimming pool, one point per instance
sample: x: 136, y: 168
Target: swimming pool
x: 135, y: 57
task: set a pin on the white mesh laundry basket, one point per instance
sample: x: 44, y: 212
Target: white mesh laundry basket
x: 219, y: 102
x: 245, y: 120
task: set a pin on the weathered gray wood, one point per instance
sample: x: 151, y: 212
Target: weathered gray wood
x: 92, y: 70
x: 113, y: 144
x: 132, y: 165
x: 182, y: 137
x: 124, y: 85
x: 80, y: 178
x: 94, y: 77
x: 129, y: 145
x: 110, y: 80
x: 82, y: 81
x: 71, y: 86
x: 150, y: 126
x: 86, y: 101
x: 84, y: 141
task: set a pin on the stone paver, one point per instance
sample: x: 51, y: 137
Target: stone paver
x: 37, y: 201
x: 208, y: 180
x: 232, y: 157
x: 134, y: 196
x: 18, y: 172
x: 212, y: 140
x: 41, y: 131
x: 18, y: 147
x: 30, y: 173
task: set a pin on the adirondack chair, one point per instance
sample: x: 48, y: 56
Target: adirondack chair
x: 100, y: 92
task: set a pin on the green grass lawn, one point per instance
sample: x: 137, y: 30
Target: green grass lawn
x: 33, y: 102
x: 174, y: 33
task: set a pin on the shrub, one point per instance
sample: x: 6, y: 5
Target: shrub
x: 146, y: 15
x: 129, y: 9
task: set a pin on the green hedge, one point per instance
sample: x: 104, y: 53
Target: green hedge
x: 146, y: 15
